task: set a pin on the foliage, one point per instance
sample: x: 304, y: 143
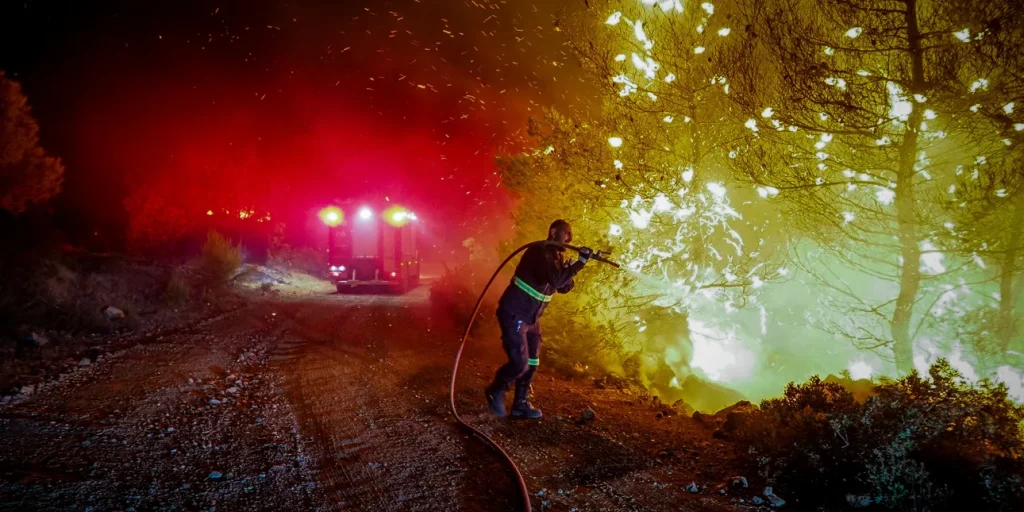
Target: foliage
x: 931, y: 443
x: 728, y: 138
x: 220, y: 258
x: 863, y: 126
x: 27, y: 175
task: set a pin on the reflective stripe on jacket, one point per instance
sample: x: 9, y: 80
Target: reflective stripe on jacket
x: 540, y: 274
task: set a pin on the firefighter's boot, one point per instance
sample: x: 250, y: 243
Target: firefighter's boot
x: 496, y: 399
x: 521, y: 407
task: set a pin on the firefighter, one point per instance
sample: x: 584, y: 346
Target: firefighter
x: 541, y: 272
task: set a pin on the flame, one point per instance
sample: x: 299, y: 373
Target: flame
x: 860, y: 369
x: 720, y: 354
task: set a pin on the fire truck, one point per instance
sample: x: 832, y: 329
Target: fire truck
x: 372, y: 245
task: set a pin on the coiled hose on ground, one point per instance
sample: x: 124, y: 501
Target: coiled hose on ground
x: 524, y: 492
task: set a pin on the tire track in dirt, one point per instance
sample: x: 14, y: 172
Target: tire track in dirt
x: 101, y: 437
x: 384, y: 444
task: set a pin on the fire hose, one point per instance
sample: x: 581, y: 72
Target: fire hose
x: 525, y: 493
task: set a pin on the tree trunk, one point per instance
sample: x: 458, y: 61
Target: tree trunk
x: 906, y: 208
x: 1007, y: 320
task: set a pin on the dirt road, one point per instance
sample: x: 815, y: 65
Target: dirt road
x: 323, y: 401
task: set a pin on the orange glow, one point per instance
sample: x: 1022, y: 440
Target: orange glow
x: 332, y: 216
x: 209, y: 212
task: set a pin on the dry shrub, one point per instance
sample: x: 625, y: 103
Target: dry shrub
x: 933, y: 443
x: 178, y: 289
x: 573, y: 348
x: 220, y: 259
x: 452, y: 299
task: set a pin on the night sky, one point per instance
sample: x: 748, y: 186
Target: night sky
x: 289, y: 104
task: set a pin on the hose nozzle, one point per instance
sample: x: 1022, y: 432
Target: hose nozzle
x: 599, y: 256
x: 596, y: 255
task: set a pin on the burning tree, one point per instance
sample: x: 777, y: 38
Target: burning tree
x: 860, y: 124
x: 987, y: 199
x: 647, y: 175
x: 177, y: 206
x: 27, y: 175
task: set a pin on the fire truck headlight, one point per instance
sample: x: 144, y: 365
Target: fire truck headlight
x: 332, y: 216
x: 393, y: 274
x: 333, y: 268
x: 365, y: 213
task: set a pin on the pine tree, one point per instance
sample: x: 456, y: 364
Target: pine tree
x: 27, y: 175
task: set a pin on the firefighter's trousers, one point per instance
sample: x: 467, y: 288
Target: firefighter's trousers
x: 521, y: 342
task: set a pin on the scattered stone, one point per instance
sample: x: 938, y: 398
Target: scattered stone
x: 85, y: 362
x: 757, y: 500
x: 216, y: 475
x: 589, y: 415
x: 185, y: 486
x: 692, y: 488
x: 856, y: 501
x: 700, y: 418
x: 739, y: 481
x: 113, y: 313
x: 232, y: 390
x: 214, y: 401
x: 37, y: 340
x: 541, y: 493
x: 736, y: 417
x: 27, y: 389
x: 86, y: 444
x: 772, y: 499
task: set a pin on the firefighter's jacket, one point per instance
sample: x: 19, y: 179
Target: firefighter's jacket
x: 541, y: 272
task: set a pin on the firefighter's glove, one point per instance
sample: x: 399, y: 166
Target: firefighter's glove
x: 585, y: 254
